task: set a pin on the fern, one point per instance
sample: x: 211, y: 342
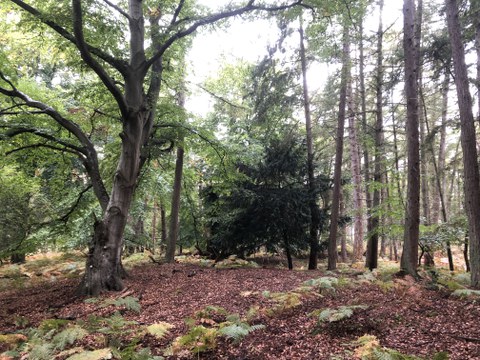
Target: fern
x: 343, y: 312
x: 466, y: 292
x: 239, y: 331
x: 159, y: 330
x: 129, y: 303
x: 325, y: 283
x: 68, y: 336
x: 41, y: 352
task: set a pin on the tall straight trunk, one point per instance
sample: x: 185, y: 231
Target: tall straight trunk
x: 468, y: 139
x: 409, y: 260
x: 154, y: 226
x: 314, y: 212
x: 163, y: 226
x: 175, y: 212
x: 372, y: 244
x: 441, y: 195
x: 396, y: 152
x: 342, y: 231
x: 475, y: 5
x: 356, y: 173
x: 337, y: 175
x: 358, y: 252
x: 442, y: 150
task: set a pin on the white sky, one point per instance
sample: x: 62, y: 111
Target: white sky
x: 248, y: 41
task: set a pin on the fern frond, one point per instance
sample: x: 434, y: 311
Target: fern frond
x: 68, y: 336
x: 159, y: 330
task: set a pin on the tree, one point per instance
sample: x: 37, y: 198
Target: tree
x: 337, y: 177
x: 468, y: 139
x: 177, y: 187
x: 372, y: 245
x: 141, y: 66
x: 409, y: 259
x: 314, y: 212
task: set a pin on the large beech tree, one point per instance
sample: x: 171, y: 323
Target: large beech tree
x: 140, y: 65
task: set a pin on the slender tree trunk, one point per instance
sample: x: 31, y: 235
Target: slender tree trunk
x: 356, y: 176
x: 358, y: 252
x: 154, y: 226
x: 468, y: 139
x: 288, y: 253
x: 174, y: 215
x: 163, y: 225
x: 342, y: 231
x: 337, y: 176
x: 465, y: 254
x: 475, y: 5
x: 372, y: 244
x: 409, y: 259
x: 314, y: 212
x: 442, y: 151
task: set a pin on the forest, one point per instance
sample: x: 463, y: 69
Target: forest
x: 315, y: 196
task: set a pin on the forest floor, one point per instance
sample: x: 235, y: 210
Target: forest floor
x: 281, y: 314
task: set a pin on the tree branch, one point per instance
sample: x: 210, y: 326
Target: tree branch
x: 118, y: 64
x: 91, y: 62
x: 221, y: 98
x: 112, y: 5
x: 91, y: 158
x: 177, y: 12
x: 18, y: 130
x: 39, y: 145
x: 212, y: 19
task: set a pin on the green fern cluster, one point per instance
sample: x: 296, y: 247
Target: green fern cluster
x: 202, y: 337
x: 128, y: 303
x: 322, y: 283
x: 338, y: 314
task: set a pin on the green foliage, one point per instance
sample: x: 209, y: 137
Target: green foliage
x: 52, y: 324
x: 41, y: 352
x: 322, y: 283
x: 338, y: 314
x: 238, y: 331
x: 128, y: 303
x: 68, y: 336
x: 466, y: 293
x: 207, y: 325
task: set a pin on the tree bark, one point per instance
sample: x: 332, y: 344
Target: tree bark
x: 337, y: 176
x: 372, y: 243
x: 409, y: 260
x: 314, y: 212
x: 356, y: 176
x: 358, y: 252
x: 468, y: 139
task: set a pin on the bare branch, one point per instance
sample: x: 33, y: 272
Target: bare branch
x: 119, y: 64
x: 212, y: 19
x: 112, y: 5
x: 91, y: 62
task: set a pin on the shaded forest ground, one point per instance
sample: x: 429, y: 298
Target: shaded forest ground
x: 277, y: 309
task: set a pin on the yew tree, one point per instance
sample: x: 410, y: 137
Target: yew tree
x: 128, y: 45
